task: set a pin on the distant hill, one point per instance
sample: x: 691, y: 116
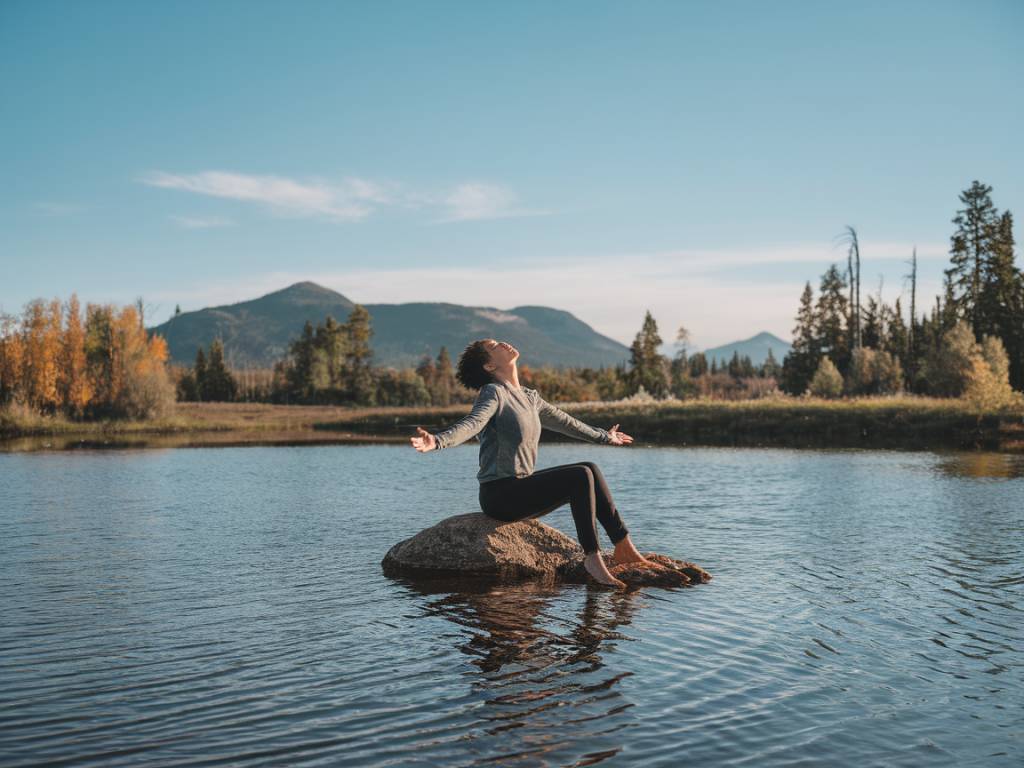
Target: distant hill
x: 256, y: 332
x: 756, y: 347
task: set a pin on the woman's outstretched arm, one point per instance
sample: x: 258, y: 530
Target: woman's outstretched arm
x: 558, y: 420
x: 484, y: 408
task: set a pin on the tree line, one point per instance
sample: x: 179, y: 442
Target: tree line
x: 972, y: 337
x: 55, y: 360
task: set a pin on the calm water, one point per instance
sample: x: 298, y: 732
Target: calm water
x: 226, y: 606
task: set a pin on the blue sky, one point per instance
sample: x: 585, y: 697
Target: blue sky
x: 694, y: 159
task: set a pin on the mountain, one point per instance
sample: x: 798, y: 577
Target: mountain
x: 257, y: 332
x: 756, y: 347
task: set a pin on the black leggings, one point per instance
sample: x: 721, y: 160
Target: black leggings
x: 581, y: 485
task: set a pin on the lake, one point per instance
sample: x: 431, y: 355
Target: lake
x: 226, y: 606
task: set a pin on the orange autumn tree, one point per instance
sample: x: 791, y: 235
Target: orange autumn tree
x: 108, y: 365
x: 73, y: 383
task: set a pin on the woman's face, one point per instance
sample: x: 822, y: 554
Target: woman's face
x: 502, y: 353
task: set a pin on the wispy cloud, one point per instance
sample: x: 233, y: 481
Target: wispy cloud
x: 351, y: 199
x: 474, y: 201
x: 201, y: 222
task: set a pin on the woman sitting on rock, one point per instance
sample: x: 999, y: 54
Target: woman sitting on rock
x: 509, y: 418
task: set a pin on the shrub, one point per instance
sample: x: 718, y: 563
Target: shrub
x: 826, y: 382
x: 947, y: 368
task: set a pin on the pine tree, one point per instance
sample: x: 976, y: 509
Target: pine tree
x: 801, y: 361
x: 333, y: 341
x: 682, y: 342
x: 896, y: 339
x: 698, y: 365
x: 199, y: 373
x: 771, y: 367
x: 220, y: 384
x: 1001, y: 298
x: 358, y: 355
x: 970, y: 248
x: 650, y: 370
x: 871, y: 330
x: 735, y: 367
x: 427, y: 371
x: 100, y: 355
x: 299, y: 374
x: 833, y: 313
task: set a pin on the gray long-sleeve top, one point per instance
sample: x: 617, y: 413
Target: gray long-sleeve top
x: 509, y: 422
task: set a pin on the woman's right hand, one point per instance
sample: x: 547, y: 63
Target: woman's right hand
x: 425, y: 442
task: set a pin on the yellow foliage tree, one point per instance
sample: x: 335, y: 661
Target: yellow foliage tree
x: 109, y: 366
x: 74, y: 385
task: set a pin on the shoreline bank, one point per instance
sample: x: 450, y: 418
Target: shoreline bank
x: 900, y: 423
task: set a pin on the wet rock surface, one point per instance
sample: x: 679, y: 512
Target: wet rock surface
x: 476, y: 545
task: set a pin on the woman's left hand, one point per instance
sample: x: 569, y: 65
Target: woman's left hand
x: 619, y: 438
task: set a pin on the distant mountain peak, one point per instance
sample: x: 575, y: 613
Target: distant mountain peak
x: 258, y: 332
x: 756, y: 348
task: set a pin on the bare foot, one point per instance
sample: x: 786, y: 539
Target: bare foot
x: 595, y: 567
x: 625, y: 552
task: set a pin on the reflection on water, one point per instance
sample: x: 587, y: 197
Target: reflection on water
x: 223, y: 439
x: 227, y: 606
x: 983, y: 464
x: 540, y: 672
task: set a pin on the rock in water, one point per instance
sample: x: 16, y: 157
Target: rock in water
x: 474, y: 544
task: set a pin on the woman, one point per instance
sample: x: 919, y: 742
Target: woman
x: 509, y: 418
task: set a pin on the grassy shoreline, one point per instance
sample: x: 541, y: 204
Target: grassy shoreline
x: 878, y: 422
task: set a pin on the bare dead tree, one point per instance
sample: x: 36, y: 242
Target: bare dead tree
x: 849, y: 236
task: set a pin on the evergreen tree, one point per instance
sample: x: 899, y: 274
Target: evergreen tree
x: 357, y: 356
x: 896, y: 339
x: 801, y: 361
x: 220, y: 385
x: 971, y: 248
x: 871, y: 330
x: 1002, y: 298
x: 332, y: 340
x: 771, y: 367
x: 735, y: 367
x: 650, y: 370
x: 427, y: 371
x: 698, y: 365
x: 299, y: 374
x: 199, y: 373
x: 746, y: 367
x: 833, y: 312
x: 682, y: 342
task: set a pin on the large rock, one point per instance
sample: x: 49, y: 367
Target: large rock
x: 477, y: 545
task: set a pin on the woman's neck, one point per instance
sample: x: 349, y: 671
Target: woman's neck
x: 511, y: 378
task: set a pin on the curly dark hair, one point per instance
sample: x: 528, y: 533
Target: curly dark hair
x: 470, y: 368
